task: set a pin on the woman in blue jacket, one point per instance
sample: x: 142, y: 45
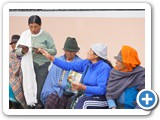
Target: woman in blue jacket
x: 96, y: 69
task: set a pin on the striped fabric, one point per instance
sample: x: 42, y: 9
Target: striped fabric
x: 99, y: 104
x: 91, y: 102
x: 15, y: 78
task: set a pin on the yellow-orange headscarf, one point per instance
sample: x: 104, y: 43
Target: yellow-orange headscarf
x: 129, y: 58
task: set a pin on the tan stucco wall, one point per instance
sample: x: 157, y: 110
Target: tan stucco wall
x: 115, y: 32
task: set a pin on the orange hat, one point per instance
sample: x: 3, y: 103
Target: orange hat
x: 130, y: 57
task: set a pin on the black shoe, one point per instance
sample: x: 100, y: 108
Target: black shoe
x: 39, y: 106
x: 31, y: 107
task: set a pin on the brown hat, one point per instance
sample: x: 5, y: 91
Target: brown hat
x: 119, y: 57
x: 71, y: 45
x: 14, y: 39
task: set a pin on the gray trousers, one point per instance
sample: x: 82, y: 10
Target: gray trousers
x: 41, y: 74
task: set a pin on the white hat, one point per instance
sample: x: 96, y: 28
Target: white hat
x: 100, y: 50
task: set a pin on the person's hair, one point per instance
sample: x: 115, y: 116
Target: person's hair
x: 34, y: 19
x: 106, y: 61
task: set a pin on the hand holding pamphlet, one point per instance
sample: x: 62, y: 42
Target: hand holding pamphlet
x: 22, y: 46
x: 34, y: 48
x: 26, y: 48
x: 73, y: 77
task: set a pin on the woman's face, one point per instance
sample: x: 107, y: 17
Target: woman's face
x: 91, y: 56
x: 34, y: 28
x: 70, y: 55
x: 120, y: 66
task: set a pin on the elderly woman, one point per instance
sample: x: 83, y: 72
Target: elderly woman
x: 16, y: 96
x: 95, y: 69
x: 52, y: 94
x: 126, y: 79
x: 34, y: 64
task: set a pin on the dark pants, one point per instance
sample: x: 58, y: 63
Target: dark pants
x: 41, y: 74
x: 91, y: 102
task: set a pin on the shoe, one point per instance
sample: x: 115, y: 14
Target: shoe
x: 31, y: 107
x: 39, y: 106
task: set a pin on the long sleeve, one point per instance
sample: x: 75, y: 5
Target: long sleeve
x: 19, y: 51
x: 51, y: 48
x: 76, y: 66
x: 111, y: 103
x: 96, y: 80
x: 44, y: 41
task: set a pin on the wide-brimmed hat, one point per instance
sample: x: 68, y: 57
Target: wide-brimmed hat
x: 119, y: 56
x: 100, y: 50
x: 14, y: 39
x: 71, y: 45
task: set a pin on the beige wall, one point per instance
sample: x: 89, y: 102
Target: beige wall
x: 115, y: 32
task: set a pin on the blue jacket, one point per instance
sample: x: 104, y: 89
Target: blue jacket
x: 95, y: 78
x: 51, y: 84
x: 126, y: 100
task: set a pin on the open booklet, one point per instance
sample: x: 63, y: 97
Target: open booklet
x: 34, y: 48
x: 24, y: 46
x: 73, y: 77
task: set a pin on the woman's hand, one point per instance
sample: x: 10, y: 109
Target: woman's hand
x: 78, y: 86
x: 36, y: 50
x: 46, y: 54
x: 25, y: 50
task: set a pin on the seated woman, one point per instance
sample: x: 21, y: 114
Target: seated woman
x: 95, y: 69
x: 126, y: 79
x: 52, y: 95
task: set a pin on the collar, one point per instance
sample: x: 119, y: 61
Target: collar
x: 70, y: 61
x: 95, y: 64
x: 40, y: 32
